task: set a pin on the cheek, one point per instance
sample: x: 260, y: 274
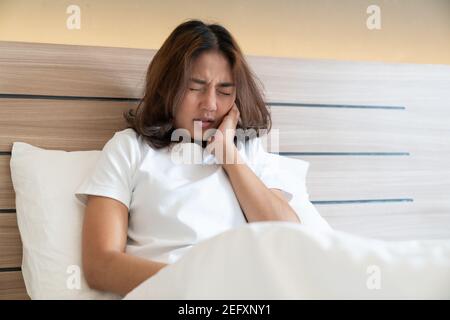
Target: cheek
x: 185, y: 112
x: 225, y: 105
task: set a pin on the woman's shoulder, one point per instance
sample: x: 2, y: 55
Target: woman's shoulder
x: 129, y: 133
x: 131, y: 139
x: 122, y: 146
x: 127, y: 138
x: 127, y: 143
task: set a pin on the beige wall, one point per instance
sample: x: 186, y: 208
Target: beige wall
x: 416, y: 31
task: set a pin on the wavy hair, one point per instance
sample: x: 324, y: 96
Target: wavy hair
x: 168, y: 75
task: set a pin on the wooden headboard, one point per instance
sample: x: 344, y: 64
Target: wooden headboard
x: 377, y: 135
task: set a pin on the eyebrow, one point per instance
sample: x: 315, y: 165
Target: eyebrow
x: 221, y: 84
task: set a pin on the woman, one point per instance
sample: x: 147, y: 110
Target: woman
x: 144, y: 210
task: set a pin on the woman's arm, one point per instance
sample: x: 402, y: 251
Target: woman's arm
x: 258, y: 202
x: 106, y: 266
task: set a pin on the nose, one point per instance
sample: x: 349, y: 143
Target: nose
x: 209, y: 101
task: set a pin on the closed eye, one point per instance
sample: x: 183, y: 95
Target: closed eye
x: 224, y: 93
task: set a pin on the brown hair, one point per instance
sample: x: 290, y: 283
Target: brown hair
x: 168, y: 75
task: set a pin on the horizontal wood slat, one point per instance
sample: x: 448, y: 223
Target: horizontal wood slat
x: 85, y: 125
x: 12, y: 286
x: 7, y: 195
x: 353, y: 130
x: 343, y: 178
x: 10, y: 243
x: 350, y: 82
x: 72, y: 70
x: 69, y: 125
x: 406, y: 226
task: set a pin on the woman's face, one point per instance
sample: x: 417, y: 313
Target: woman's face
x: 210, y: 94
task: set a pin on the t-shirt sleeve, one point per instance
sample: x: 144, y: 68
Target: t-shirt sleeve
x: 112, y: 175
x: 267, y: 167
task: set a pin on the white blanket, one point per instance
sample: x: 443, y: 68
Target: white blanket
x: 282, y: 260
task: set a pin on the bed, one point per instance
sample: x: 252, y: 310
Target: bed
x: 376, y: 134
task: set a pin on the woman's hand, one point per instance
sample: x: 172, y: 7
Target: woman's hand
x: 221, y: 144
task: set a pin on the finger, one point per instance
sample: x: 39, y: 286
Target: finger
x: 239, y: 121
x: 235, y: 111
x: 232, y: 108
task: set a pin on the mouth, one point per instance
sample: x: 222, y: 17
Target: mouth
x: 205, y: 123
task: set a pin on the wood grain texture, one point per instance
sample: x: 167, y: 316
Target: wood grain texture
x: 60, y: 124
x: 7, y: 195
x: 72, y: 70
x: 402, y: 227
x: 351, y: 82
x: 12, y: 286
x: 333, y: 115
x: 10, y: 243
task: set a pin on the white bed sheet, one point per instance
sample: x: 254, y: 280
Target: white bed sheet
x: 282, y: 260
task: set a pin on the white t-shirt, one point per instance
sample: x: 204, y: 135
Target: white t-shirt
x: 172, y: 206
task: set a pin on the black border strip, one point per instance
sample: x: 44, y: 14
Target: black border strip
x: 11, y: 269
x: 7, y: 210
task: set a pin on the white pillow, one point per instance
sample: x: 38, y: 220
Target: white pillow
x: 50, y: 217
x: 50, y: 220
x: 293, y: 175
